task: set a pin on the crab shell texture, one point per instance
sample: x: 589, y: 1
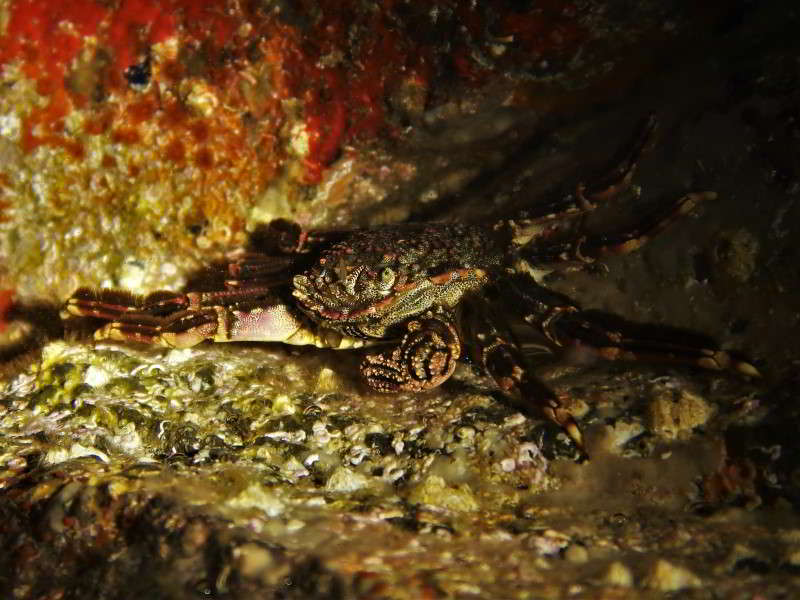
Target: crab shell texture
x: 371, y: 283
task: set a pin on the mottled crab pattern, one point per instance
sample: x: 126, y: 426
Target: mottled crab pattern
x: 419, y: 296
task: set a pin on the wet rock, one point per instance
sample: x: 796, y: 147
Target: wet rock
x: 257, y: 497
x: 344, y: 480
x: 674, y: 414
x: 577, y: 554
x: 736, y: 254
x: 665, y: 576
x: 254, y: 561
x: 436, y: 492
x: 619, y: 575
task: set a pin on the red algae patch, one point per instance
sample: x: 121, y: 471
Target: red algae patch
x: 342, y: 62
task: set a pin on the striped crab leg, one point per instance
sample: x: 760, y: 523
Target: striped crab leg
x: 182, y: 320
x: 587, y: 196
x: 554, y: 252
x: 565, y: 325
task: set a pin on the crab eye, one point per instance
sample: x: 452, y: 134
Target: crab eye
x: 387, y: 278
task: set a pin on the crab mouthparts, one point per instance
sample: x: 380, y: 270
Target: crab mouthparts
x: 325, y: 302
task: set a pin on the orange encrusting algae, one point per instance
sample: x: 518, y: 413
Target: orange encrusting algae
x: 341, y: 60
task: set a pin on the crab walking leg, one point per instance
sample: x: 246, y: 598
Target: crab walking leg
x: 620, y: 176
x: 536, y: 304
x: 282, y: 237
x: 588, y: 196
x: 504, y: 362
x: 564, y: 324
x: 248, y: 269
x: 184, y: 320
x: 588, y: 248
x: 424, y: 358
x: 109, y: 304
x: 623, y: 343
x: 595, y: 247
x: 178, y: 330
x: 500, y: 356
x: 242, y: 269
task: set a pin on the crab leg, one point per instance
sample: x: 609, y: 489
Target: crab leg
x: 620, y: 176
x: 588, y: 196
x: 595, y: 247
x: 183, y: 320
x: 110, y: 304
x: 284, y: 237
x: 254, y: 269
x: 564, y: 324
x: 504, y: 363
x: 588, y: 248
x: 501, y: 358
x: 623, y: 343
x: 242, y: 269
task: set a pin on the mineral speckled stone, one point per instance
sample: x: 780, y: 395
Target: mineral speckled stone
x: 672, y: 415
x: 436, y: 492
x: 665, y: 576
x: 619, y: 575
x: 344, y: 480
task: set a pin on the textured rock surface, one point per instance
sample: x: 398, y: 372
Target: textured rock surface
x: 240, y: 471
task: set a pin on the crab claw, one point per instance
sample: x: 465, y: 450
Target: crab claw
x: 425, y: 358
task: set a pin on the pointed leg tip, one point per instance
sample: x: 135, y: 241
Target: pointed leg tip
x: 575, y: 434
x: 71, y: 308
x: 719, y: 360
x: 748, y: 370
x: 698, y: 197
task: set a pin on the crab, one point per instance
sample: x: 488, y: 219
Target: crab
x: 418, y: 297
